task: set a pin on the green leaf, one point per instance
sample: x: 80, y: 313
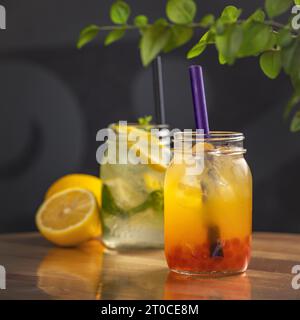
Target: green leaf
x: 270, y: 63
x: 157, y: 200
x: 181, y: 11
x: 275, y: 8
x: 114, y: 36
x: 201, y: 45
x: 119, y: 12
x: 258, y: 16
x: 230, y: 14
x: 196, y: 50
x: 162, y: 22
x: 291, y: 61
x: 109, y: 205
x: 207, y: 21
x: 271, y: 45
x: 295, y: 124
x: 180, y: 35
x: 295, y: 99
x: 297, y: 2
x: 141, y: 21
x: 144, y: 121
x: 222, y: 60
x: 284, y: 38
x: 87, y: 34
x: 219, y: 27
x: 154, y: 39
x: 154, y: 200
x: 257, y: 38
x: 229, y: 43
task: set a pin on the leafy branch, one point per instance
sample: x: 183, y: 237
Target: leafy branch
x: 276, y: 45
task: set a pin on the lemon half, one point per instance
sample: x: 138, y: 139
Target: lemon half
x: 69, y: 217
x: 77, y: 180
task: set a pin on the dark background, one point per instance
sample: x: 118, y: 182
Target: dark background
x: 54, y: 98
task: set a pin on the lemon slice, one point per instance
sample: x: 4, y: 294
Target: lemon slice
x: 69, y: 217
x: 202, y: 146
x: 153, y: 182
x: 142, y: 149
x: 83, y: 181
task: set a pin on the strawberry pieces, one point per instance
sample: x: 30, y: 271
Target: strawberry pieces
x: 236, y: 256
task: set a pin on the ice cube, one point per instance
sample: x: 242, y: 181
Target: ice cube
x: 125, y: 194
x: 189, y: 193
x: 214, y: 180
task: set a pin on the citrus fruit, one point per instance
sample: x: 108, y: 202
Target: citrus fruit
x: 140, y: 140
x: 69, y: 217
x: 83, y: 181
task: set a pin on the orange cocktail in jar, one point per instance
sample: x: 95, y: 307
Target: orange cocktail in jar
x: 208, y: 211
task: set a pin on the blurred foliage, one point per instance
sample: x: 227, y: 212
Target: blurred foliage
x: 276, y: 45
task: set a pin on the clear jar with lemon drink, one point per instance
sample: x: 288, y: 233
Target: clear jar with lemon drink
x: 132, y: 192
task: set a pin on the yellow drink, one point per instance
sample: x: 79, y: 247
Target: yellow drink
x: 208, y: 215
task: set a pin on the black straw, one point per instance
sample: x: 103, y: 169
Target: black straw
x: 158, y: 90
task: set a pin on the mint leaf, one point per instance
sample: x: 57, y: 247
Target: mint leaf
x: 229, y: 43
x: 181, y: 11
x: 155, y: 200
x: 257, y: 38
x: 154, y: 39
x: 295, y: 99
x: 87, y: 34
x: 114, y: 36
x: 144, y: 121
x: 207, y: 21
x: 275, y: 8
x: 230, y: 14
x: 119, y: 12
x: 258, y: 16
x: 295, y: 124
x: 270, y: 63
x: 297, y: 2
x: 141, y: 21
x: 180, y: 35
x: 108, y: 203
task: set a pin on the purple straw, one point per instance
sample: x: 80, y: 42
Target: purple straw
x: 198, y: 91
x: 200, y: 109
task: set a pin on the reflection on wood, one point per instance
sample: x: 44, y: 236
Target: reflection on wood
x: 180, y: 287
x: 36, y: 270
x: 69, y: 273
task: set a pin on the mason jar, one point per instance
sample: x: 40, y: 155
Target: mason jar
x: 208, y: 204
x: 133, y: 186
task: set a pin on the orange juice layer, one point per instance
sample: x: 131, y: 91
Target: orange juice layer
x: 194, y: 205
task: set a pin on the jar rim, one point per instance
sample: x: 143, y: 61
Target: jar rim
x: 214, y: 136
x: 137, y: 125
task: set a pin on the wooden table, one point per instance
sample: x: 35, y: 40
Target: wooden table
x: 37, y: 270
